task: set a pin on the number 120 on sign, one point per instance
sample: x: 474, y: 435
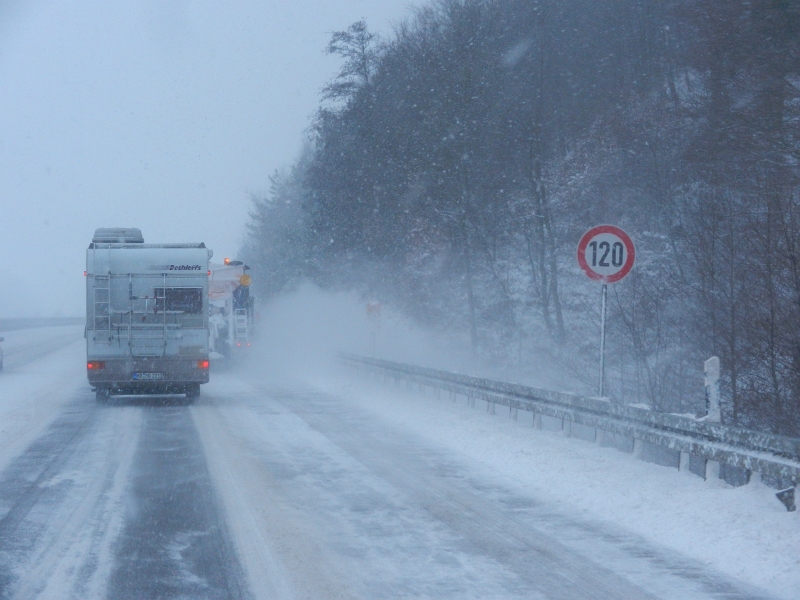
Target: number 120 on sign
x: 606, y: 253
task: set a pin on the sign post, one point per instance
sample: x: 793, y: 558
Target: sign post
x: 603, y: 340
x: 606, y: 254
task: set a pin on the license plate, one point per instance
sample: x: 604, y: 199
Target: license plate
x: 147, y: 376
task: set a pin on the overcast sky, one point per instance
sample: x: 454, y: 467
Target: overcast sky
x: 162, y: 115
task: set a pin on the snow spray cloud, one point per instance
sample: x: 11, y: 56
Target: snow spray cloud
x: 300, y: 334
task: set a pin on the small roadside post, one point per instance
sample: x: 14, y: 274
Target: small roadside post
x: 606, y: 254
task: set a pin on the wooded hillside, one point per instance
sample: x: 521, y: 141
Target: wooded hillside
x: 453, y: 167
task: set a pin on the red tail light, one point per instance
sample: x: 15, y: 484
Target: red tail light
x: 95, y: 365
x: 202, y: 364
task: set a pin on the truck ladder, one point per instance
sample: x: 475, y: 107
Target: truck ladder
x: 241, y: 325
x: 102, y: 304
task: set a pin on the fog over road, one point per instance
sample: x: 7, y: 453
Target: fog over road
x: 278, y: 489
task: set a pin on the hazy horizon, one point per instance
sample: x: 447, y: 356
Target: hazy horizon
x: 165, y: 117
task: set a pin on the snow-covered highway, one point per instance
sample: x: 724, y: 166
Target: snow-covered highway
x: 272, y: 486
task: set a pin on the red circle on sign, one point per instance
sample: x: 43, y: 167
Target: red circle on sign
x: 629, y: 250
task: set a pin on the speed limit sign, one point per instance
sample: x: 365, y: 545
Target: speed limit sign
x: 606, y: 253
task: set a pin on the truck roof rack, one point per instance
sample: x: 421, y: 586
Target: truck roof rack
x: 118, y: 235
x: 105, y: 245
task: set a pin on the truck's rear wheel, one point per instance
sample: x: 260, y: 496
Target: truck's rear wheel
x: 102, y: 395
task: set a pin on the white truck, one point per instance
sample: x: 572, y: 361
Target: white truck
x: 146, y: 315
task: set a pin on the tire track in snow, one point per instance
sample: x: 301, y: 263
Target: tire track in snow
x: 33, y: 398
x: 58, y: 500
x: 74, y: 555
x: 282, y: 557
x: 174, y: 543
x: 23, y: 483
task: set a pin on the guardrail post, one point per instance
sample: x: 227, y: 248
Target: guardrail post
x: 684, y: 462
x: 490, y: 407
x: 712, y: 469
x: 789, y: 498
x: 566, y: 427
x: 537, y: 420
x: 599, y: 436
x: 638, y: 448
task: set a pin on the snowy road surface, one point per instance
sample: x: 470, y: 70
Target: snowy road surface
x: 290, y: 490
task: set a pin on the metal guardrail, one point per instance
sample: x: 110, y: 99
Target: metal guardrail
x: 772, y: 455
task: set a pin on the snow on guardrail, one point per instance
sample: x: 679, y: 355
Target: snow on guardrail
x: 754, y: 451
